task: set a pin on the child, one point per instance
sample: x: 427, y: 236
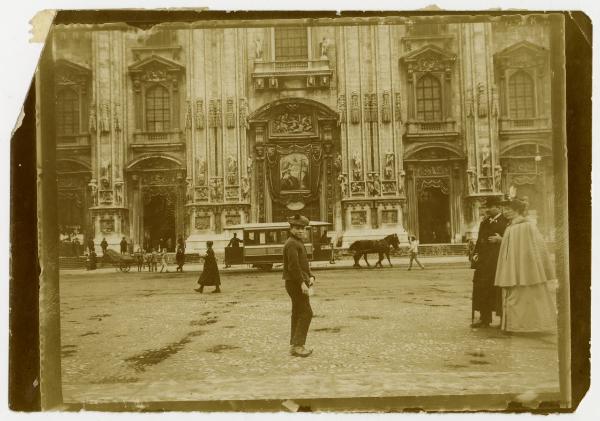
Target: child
x: 414, y: 252
x: 163, y: 260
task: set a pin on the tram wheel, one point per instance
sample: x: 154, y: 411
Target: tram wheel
x: 265, y: 266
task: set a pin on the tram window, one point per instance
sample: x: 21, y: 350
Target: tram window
x: 250, y: 238
x: 262, y: 238
x: 271, y: 237
x: 283, y: 236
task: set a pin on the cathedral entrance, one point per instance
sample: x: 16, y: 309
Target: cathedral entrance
x: 159, y: 222
x: 434, y: 216
x: 295, y: 141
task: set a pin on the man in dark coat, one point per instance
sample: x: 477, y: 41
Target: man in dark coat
x: 234, y: 243
x: 210, y: 273
x: 486, y: 296
x: 123, y: 245
x: 298, y: 280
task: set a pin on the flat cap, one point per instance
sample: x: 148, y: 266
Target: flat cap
x: 298, y: 220
x: 493, y: 201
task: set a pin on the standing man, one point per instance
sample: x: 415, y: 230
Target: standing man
x: 123, y: 245
x: 104, y: 246
x: 234, y: 243
x: 298, y: 280
x: 486, y: 296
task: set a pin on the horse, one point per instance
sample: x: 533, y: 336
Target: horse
x: 361, y: 248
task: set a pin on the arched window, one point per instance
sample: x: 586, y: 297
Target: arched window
x: 158, y: 109
x: 429, y: 99
x: 67, y: 112
x: 521, y: 96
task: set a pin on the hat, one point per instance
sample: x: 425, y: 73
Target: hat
x: 298, y: 221
x: 518, y: 204
x: 493, y: 201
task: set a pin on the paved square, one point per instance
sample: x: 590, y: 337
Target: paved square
x: 379, y: 332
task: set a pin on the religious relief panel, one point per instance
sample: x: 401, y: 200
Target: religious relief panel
x: 232, y: 171
x: 202, y: 194
x: 431, y: 170
x: 297, y: 123
x: 233, y: 219
x: 202, y: 222
x: 358, y: 218
x: 107, y: 225
x: 357, y: 188
x: 106, y: 197
x: 159, y: 178
x: 294, y: 172
x: 232, y: 193
x: 389, y: 216
x: 389, y: 187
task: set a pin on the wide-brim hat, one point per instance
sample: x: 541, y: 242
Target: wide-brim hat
x: 298, y: 221
x: 516, y: 203
x: 493, y: 201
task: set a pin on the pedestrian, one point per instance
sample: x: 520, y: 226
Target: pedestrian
x: 90, y: 245
x: 154, y: 260
x: 130, y: 246
x: 298, y: 284
x: 234, y: 243
x: 163, y: 261
x: 76, y: 247
x: 486, y: 298
x: 180, y: 259
x: 139, y: 257
x: 413, y: 251
x: 148, y: 257
x: 91, y: 260
x: 123, y: 245
x: 104, y: 246
x: 525, y: 273
x: 210, y: 272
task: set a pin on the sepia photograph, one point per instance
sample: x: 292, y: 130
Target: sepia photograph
x: 304, y: 211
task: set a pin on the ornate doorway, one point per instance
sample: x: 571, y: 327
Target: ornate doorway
x: 294, y: 141
x: 158, y: 200
x: 434, y: 215
x: 159, y: 221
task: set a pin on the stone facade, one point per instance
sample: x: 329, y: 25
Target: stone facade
x: 378, y: 125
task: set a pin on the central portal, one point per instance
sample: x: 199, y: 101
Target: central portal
x: 295, y: 140
x: 159, y: 223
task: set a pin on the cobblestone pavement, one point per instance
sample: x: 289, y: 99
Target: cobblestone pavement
x: 380, y: 332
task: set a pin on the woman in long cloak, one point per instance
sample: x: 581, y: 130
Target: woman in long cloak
x: 526, y: 275
x: 210, y: 272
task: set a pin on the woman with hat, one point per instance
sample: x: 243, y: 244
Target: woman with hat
x: 525, y: 273
x: 210, y: 272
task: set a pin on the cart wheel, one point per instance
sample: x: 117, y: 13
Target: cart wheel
x: 125, y: 267
x: 265, y: 266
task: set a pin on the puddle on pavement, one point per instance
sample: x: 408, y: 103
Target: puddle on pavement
x: 367, y: 317
x: 329, y: 329
x: 455, y: 366
x: 99, y: 317
x: 478, y: 362
x: 217, y: 349
x: 68, y: 350
x: 204, y: 322
x: 155, y: 356
x: 89, y: 333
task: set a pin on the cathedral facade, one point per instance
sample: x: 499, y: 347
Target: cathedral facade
x: 376, y: 125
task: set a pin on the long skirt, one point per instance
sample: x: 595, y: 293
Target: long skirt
x: 529, y: 308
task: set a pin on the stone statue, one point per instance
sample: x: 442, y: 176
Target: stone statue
x: 357, y: 167
x: 190, y: 191
x: 337, y: 162
x: 245, y: 188
x: 498, y: 178
x: 401, y: 175
x: 201, y: 174
x: 342, y: 179
x: 249, y: 164
x: 93, y: 192
x: 472, y: 181
x: 324, y: 44
x: 232, y: 170
x: 217, y: 190
x: 388, y: 172
x: 258, y: 48
x: 376, y: 186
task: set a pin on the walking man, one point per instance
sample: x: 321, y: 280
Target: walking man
x: 298, y: 282
x: 486, y: 296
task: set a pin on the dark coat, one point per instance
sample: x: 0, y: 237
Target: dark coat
x: 295, y: 261
x: 210, y: 272
x: 180, y: 257
x: 485, y: 294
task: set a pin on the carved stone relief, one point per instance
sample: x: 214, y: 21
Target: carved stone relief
x: 258, y: 48
x: 343, y: 183
x: 386, y: 108
x: 245, y: 189
x: 200, y: 114
x: 232, y: 171
x: 357, y: 188
x: 324, y: 47
x: 202, y: 222
x: 200, y: 171
x: 188, y: 115
x: 355, y: 109
x: 357, y: 172
x: 216, y: 191
x: 389, y: 169
x: 358, y: 218
x: 243, y: 113
x: 398, y: 108
x: 482, y: 100
x: 341, y: 105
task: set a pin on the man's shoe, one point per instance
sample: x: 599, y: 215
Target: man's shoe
x: 300, y: 351
x: 198, y: 290
x: 480, y: 325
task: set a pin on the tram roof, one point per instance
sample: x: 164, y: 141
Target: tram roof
x: 270, y: 225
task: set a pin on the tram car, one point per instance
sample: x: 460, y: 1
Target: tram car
x: 263, y: 244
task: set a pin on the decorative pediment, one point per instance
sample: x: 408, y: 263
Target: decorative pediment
x: 69, y: 73
x: 521, y: 55
x: 293, y: 116
x: 430, y: 58
x: 156, y: 69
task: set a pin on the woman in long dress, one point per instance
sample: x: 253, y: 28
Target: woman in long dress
x: 210, y: 272
x: 526, y: 275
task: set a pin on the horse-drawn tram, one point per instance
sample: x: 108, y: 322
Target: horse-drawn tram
x: 263, y: 244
